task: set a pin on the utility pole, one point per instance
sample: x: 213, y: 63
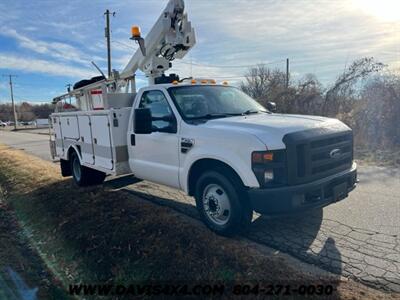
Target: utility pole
x: 108, y: 37
x: 10, y: 76
x: 287, y: 73
x: 68, y: 86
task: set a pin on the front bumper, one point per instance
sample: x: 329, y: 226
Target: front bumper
x: 302, y: 197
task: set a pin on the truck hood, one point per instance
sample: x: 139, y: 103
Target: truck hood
x: 271, y: 128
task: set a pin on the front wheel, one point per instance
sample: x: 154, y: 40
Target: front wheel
x: 220, y: 205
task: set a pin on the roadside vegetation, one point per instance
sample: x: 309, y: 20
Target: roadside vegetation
x: 366, y: 96
x: 102, y: 235
x: 26, y: 112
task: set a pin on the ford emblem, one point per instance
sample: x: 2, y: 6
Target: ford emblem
x: 335, y: 153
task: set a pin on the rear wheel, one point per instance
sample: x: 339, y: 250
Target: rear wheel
x: 65, y: 167
x: 84, y: 176
x: 219, y: 202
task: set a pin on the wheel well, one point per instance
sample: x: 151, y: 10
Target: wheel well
x: 65, y: 164
x: 72, y: 150
x: 207, y: 164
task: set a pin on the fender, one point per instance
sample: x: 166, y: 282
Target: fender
x: 246, y: 175
x: 73, y: 147
x: 223, y: 146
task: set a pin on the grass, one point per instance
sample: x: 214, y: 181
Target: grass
x: 17, y: 256
x: 101, y: 235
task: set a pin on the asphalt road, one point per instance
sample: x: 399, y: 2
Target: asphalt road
x: 358, y: 237
x: 34, y: 143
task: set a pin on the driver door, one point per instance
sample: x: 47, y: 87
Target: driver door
x: 155, y: 156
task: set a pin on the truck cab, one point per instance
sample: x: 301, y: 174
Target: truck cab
x: 222, y: 147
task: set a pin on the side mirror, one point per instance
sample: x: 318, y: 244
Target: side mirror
x: 271, y: 106
x: 142, y: 121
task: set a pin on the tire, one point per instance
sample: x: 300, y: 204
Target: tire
x: 84, y: 176
x: 65, y: 167
x: 222, y: 204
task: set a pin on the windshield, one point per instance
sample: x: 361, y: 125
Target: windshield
x: 205, y: 101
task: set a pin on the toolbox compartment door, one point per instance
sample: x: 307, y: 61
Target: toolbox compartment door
x: 58, y: 138
x: 85, y: 130
x: 70, y: 128
x: 102, y: 144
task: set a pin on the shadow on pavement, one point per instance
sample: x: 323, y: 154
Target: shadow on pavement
x: 297, y: 235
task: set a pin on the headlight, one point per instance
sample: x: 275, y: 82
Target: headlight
x: 269, y: 167
x: 268, y: 176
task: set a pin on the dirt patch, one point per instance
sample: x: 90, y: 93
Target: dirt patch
x: 101, y: 235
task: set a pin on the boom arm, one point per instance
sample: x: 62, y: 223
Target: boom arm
x: 171, y: 37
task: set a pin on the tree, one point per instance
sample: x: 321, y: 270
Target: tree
x: 43, y: 111
x: 308, y: 97
x: 340, y: 96
x: 362, y: 97
x: 374, y: 118
x: 6, y: 112
x: 264, y: 84
x: 25, y: 112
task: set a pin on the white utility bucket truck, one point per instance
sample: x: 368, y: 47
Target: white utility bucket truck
x: 210, y: 140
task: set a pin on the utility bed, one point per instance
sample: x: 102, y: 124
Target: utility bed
x: 99, y: 136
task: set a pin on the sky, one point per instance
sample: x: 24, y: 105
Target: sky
x: 49, y: 44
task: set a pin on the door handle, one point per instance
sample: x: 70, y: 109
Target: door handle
x: 133, y: 140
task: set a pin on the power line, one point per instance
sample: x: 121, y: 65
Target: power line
x: 125, y: 44
x: 212, y: 66
x: 242, y: 66
x: 233, y: 66
x: 214, y: 77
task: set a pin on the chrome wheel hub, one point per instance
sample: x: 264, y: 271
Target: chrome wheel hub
x: 216, y: 204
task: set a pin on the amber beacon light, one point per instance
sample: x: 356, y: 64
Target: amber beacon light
x: 135, y: 31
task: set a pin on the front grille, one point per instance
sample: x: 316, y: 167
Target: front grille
x: 317, y: 153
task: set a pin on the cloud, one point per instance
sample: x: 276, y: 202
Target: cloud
x: 120, y: 62
x: 197, y: 70
x: 3, y: 87
x: 318, y: 36
x: 9, y: 61
x: 55, y: 50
